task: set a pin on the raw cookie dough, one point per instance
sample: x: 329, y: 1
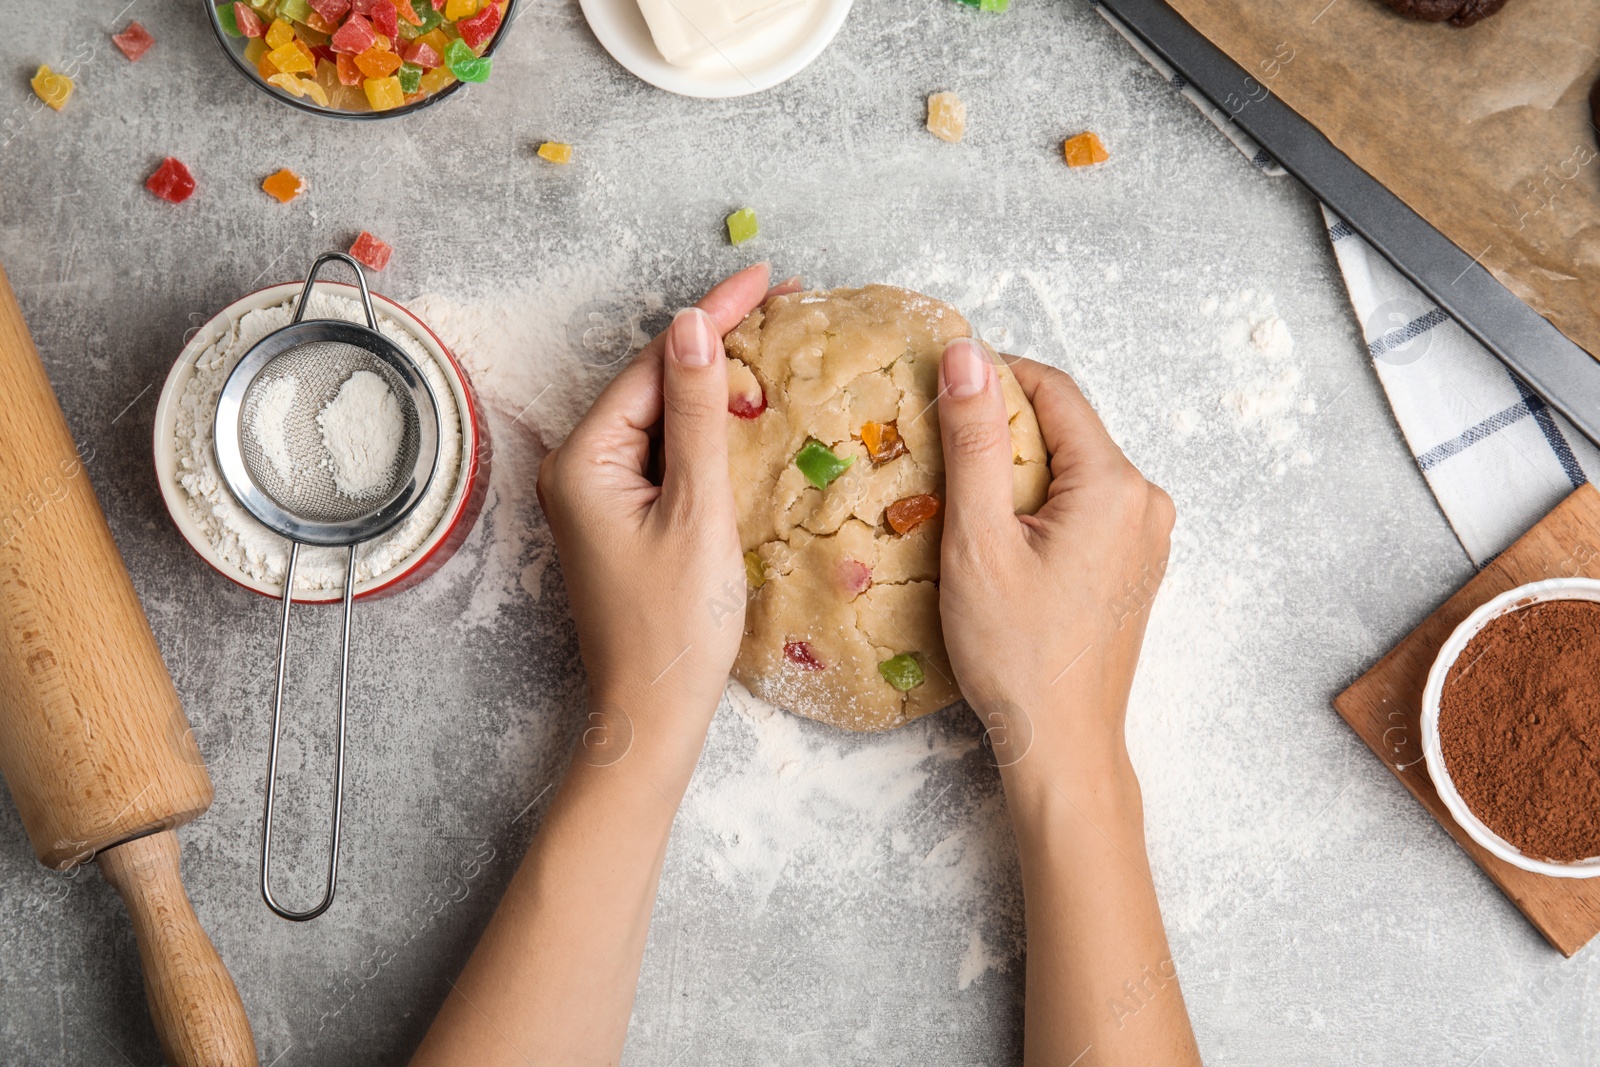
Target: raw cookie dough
x: 1459, y: 12
x: 834, y: 591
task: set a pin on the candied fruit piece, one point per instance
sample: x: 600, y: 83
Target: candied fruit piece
x: 249, y: 22
x: 988, y: 5
x: 947, y: 117
x: 228, y: 20
x: 285, y: 185
x: 407, y: 13
x: 466, y: 64
x: 902, y: 672
x: 883, y: 441
x: 318, y: 29
x: 456, y: 10
x: 820, y: 464
x: 279, y: 34
x: 316, y: 92
x: 906, y: 515
x: 799, y: 653
x: 291, y: 60
x: 742, y: 226
x: 385, y: 19
x: 376, y: 63
x: 437, y: 80
x: 1084, y: 150
x: 171, y: 181
x: 477, y: 30
x: 755, y: 575
x: 354, y: 37
x: 52, y: 88
x: 294, y: 10
x: 288, y: 83
x: 369, y: 250
x: 383, y: 94
x: 349, y: 73
x: 410, y: 76
x: 746, y: 399
x: 855, y: 576
x: 135, y: 41
x: 422, y: 54
x: 331, y: 10
x: 556, y: 152
x: 427, y: 15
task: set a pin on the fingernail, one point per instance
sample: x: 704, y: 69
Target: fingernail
x: 966, y: 372
x: 689, y: 338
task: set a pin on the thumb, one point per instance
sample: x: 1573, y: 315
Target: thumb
x: 694, y: 428
x: 977, y: 440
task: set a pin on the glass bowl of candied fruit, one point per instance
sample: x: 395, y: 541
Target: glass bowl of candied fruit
x: 361, y: 59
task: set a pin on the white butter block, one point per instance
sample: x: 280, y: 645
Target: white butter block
x: 685, y: 30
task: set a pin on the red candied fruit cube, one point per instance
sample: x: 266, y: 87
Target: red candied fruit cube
x: 249, y: 22
x: 370, y: 251
x: 171, y: 181
x: 362, y: 7
x: 331, y: 10
x: 745, y: 407
x: 423, y: 55
x: 799, y: 653
x: 477, y: 30
x: 384, y: 19
x: 134, y: 41
x: 354, y: 37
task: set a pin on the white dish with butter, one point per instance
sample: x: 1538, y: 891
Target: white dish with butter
x: 723, y: 47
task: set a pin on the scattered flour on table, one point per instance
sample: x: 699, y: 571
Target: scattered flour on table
x: 233, y: 533
x: 269, y: 423
x: 362, y: 429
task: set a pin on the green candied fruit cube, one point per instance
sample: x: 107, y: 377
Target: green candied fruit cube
x: 902, y: 672
x: 464, y: 63
x: 294, y: 10
x: 993, y: 5
x: 430, y: 18
x: 410, y: 76
x: 230, y: 23
x: 820, y: 464
x: 742, y: 226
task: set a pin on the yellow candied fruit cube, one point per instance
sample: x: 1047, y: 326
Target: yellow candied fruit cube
x: 52, y: 88
x: 384, y: 94
x: 290, y: 60
x: 435, y: 80
x: 556, y: 152
x: 279, y: 34
x: 947, y: 117
x: 1084, y: 150
x: 460, y: 9
x: 287, y: 82
x: 254, y: 50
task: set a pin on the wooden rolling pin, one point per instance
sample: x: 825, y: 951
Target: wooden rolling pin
x: 93, y: 743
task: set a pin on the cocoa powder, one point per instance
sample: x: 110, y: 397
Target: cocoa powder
x: 1519, y: 724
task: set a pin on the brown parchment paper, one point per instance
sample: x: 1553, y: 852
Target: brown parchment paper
x: 1483, y: 131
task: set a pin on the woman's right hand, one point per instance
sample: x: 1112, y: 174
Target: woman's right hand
x: 1043, y: 614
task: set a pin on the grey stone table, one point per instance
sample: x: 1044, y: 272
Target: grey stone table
x: 827, y: 898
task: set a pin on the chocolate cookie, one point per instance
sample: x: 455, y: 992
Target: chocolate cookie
x: 1459, y: 12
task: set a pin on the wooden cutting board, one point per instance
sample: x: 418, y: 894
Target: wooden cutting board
x: 1384, y: 707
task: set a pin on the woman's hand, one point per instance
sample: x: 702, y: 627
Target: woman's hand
x: 1043, y: 614
x: 654, y: 572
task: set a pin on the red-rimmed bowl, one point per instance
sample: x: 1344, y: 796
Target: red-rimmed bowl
x: 460, y: 513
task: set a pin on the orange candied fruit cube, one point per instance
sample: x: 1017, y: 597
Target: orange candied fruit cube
x: 284, y: 186
x: 906, y: 515
x: 882, y: 440
x: 1084, y: 150
x: 376, y: 63
x: 947, y: 117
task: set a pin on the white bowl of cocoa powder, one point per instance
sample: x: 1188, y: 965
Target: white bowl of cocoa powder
x: 1511, y: 726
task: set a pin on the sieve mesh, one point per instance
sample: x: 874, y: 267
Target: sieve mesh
x: 307, y: 489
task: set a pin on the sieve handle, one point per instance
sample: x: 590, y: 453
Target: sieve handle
x: 361, y: 280
x: 272, y: 757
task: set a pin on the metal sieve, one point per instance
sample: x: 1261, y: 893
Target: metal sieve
x: 290, y: 482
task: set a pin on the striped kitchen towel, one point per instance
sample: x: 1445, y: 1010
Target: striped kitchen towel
x: 1496, y: 457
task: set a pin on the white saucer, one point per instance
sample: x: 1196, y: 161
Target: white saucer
x: 774, y: 54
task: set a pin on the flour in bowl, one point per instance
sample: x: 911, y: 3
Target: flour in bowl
x: 233, y: 533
